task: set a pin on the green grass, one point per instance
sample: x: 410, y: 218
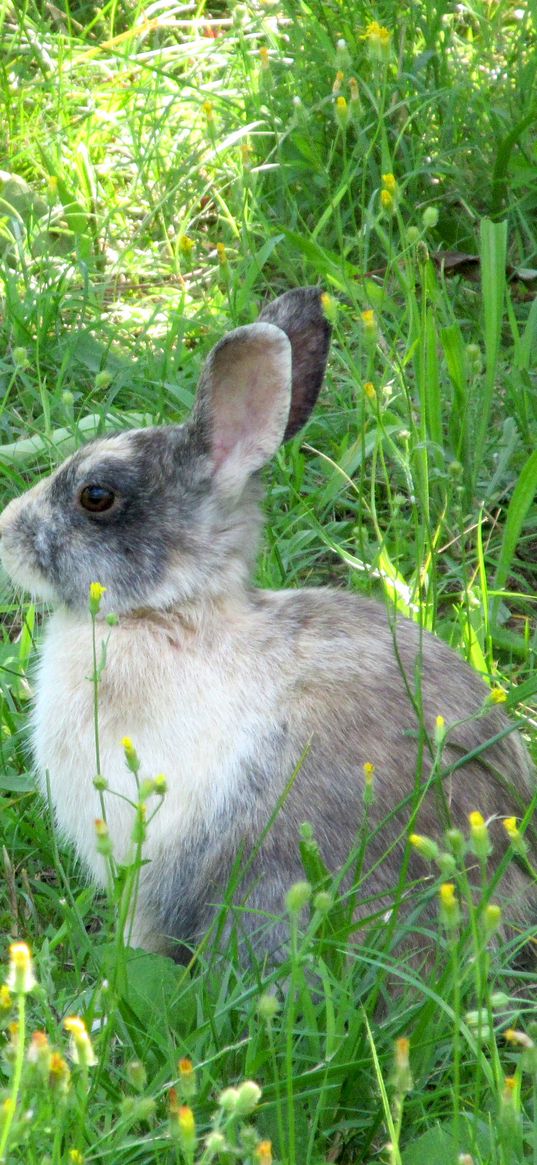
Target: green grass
x: 164, y: 176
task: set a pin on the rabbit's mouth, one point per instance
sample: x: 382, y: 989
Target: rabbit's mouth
x: 23, y: 575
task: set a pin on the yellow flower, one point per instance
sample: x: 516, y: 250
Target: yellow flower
x: 96, y: 592
x: 439, y: 730
x: 208, y: 110
x: 329, y: 306
x: 263, y: 1153
x: 449, y: 905
x: 480, y: 835
x: 264, y: 57
x: 514, y: 835
x: 81, y: 1046
x: 369, y: 389
x: 222, y: 254
x: 76, y: 1157
x: 498, y: 696
x: 342, y: 111
x: 402, y: 1075
x: 425, y: 846
x: 187, y: 1078
x: 186, y: 244
x: 517, y: 1037
x: 59, y: 1074
x: 131, y: 756
x: 340, y: 76
x: 388, y: 180
x: 187, y: 1127
x: 378, y: 40
x: 386, y: 201
x: 5, y: 998
x: 369, y: 772
x: 20, y: 976
x: 369, y: 321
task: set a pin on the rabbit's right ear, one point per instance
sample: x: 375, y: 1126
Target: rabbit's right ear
x: 243, y: 402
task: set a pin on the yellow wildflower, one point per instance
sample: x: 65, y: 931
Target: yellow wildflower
x: 96, y: 592
x: 389, y: 182
x: 20, y: 977
x: 378, y: 40
x: 81, y: 1046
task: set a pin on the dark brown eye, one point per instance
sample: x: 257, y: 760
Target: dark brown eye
x: 97, y: 498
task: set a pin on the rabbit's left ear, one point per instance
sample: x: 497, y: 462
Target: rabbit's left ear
x: 243, y: 401
x: 260, y: 384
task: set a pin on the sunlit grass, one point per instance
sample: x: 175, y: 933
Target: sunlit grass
x: 167, y: 168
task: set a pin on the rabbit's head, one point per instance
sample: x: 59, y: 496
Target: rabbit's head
x: 164, y: 515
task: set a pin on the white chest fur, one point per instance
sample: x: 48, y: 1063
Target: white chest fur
x: 197, y: 705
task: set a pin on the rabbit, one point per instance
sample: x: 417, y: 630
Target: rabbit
x: 242, y: 698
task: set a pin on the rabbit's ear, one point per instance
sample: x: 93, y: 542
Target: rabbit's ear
x: 243, y: 401
x: 300, y: 315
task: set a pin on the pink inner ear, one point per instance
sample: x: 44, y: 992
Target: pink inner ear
x: 248, y: 397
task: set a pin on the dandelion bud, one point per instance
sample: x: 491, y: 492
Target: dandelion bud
x: 215, y: 1144
x: 370, y: 393
x: 131, y: 756
x: 264, y: 57
x: 186, y: 1127
x: 456, y: 842
x: 263, y: 1153
x: 480, y: 841
x: 425, y: 846
x: 389, y: 182
x: 186, y: 244
x: 515, y: 836
x: 402, y: 1077
x: 136, y: 1074
x: 103, y: 379
x: 336, y: 87
x: 39, y: 1053
x: 439, y: 731
x: 297, y: 897
x: 519, y: 1038
x: 112, y: 619
x: 68, y: 399
x: 343, y: 59
x: 139, y: 829
x: 228, y: 1100
x: 267, y: 1007
x: 329, y: 306
x: 20, y: 976
x: 187, y: 1078
x: 342, y: 112
x: 160, y: 784
x: 248, y: 1097
x: 429, y: 217
x: 356, y: 105
x: 446, y: 864
x: 208, y: 109
x: 449, y: 907
x: 369, y: 774
x: 422, y: 252
x: 59, y: 1075
x: 222, y: 254
x: 474, y: 357
x: 104, y: 842
x: 96, y: 592
x: 412, y: 235
x: 20, y: 358
x: 81, y: 1047
x: 492, y: 917
x: 369, y: 322
x: 323, y: 902
x: 387, y: 201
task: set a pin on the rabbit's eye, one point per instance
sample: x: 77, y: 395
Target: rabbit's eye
x: 96, y: 498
